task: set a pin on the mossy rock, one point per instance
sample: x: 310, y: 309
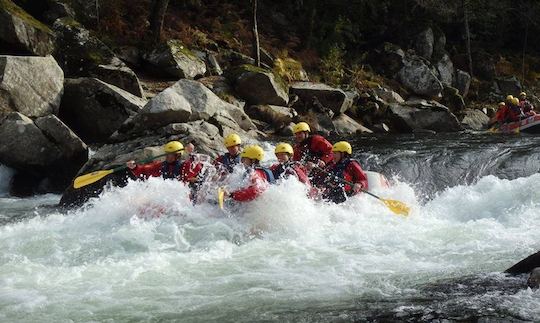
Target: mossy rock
x: 257, y: 85
x: 174, y: 59
x: 22, y: 32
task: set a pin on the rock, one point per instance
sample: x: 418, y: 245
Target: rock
x: 474, y: 119
x: 80, y: 54
x: 462, y: 82
x: 95, y: 109
x: 381, y: 128
x: 388, y: 96
x: 186, y: 100
x: 129, y: 54
x: 508, y: 85
x: 259, y: 86
x: 222, y: 88
x: 452, y: 99
x: 232, y: 119
x: 22, y: 32
x: 23, y: 145
x: 174, y: 59
x: 388, y: 59
x: 317, y: 94
x: 71, y: 146
x: 277, y: 116
x: 445, y: 68
x: 417, y: 77
x: 120, y: 76
x: 346, y: 125
x: 484, y: 65
x: 203, y: 135
x: 534, y: 278
x: 215, y: 68
x: 287, y: 131
x: 439, y: 45
x: 47, y: 152
x: 30, y: 85
x: 56, y: 10
x: 424, y: 43
x: 422, y: 114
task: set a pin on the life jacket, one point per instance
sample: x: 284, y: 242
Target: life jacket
x: 229, y: 162
x: 176, y: 170
x: 306, y: 154
x: 288, y: 168
x: 269, y: 175
x: 339, y: 170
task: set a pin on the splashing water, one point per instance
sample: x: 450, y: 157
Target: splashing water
x: 144, y: 252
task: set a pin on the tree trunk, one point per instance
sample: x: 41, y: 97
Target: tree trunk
x: 157, y: 15
x: 467, y: 36
x: 524, y: 52
x: 256, y: 44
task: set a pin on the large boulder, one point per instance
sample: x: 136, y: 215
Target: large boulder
x: 388, y: 96
x: 423, y: 115
x: 445, y: 68
x: 259, y: 86
x: 202, y: 134
x: 320, y: 95
x: 474, y: 119
x: 508, y: 85
x: 184, y: 101
x: 452, y: 99
x: 462, y: 82
x: 424, y: 43
x: 174, y: 59
x: 388, y: 59
x: 95, y: 109
x: 22, y: 32
x: 81, y: 54
x: 47, y: 153
x: 30, y: 85
x: 274, y: 115
x: 346, y: 125
x: 419, y: 78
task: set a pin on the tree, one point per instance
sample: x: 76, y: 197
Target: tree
x: 256, y: 44
x: 157, y: 15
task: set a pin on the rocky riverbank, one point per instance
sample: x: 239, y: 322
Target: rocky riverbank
x: 62, y: 89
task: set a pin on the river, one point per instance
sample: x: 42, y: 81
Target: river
x: 475, y: 211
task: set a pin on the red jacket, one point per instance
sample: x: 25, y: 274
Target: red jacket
x: 187, y: 170
x: 351, y: 171
x: 290, y: 168
x: 312, y: 149
x: 258, y: 184
x: 502, y: 114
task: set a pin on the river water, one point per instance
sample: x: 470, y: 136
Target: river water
x: 475, y: 211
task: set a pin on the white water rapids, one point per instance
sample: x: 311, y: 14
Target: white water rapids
x: 113, y: 261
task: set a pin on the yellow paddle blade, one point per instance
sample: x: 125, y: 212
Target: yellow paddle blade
x: 397, y: 207
x: 221, y: 197
x: 90, y: 178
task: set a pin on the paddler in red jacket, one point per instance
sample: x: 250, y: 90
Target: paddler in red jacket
x: 346, y: 169
x: 258, y: 177
x: 311, y: 150
x: 231, y: 158
x: 172, y: 168
x: 285, y: 166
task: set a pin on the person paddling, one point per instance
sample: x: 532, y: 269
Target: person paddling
x: 311, y: 150
x: 172, y: 168
x: 285, y: 166
x: 258, y: 177
x: 346, y: 168
x: 231, y: 158
x: 525, y: 105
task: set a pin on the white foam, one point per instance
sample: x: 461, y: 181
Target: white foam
x: 114, y: 259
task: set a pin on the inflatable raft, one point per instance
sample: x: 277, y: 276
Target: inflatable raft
x: 527, y: 125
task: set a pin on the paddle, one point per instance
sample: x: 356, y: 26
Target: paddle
x: 395, y: 206
x: 95, y: 176
x: 221, y: 197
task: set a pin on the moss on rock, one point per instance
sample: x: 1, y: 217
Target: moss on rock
x: 18, y: 12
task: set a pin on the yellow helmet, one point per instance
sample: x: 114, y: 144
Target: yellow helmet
x: 342, y: 147
x: 284, y: 147
x: 253, y: 152
x: 300, y: 127
x: 515, y: 101
x: 523, y: 94
x: 173, y: 147
x: 502, y: 104
x: 232, y: 140
x: 509, y: 98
